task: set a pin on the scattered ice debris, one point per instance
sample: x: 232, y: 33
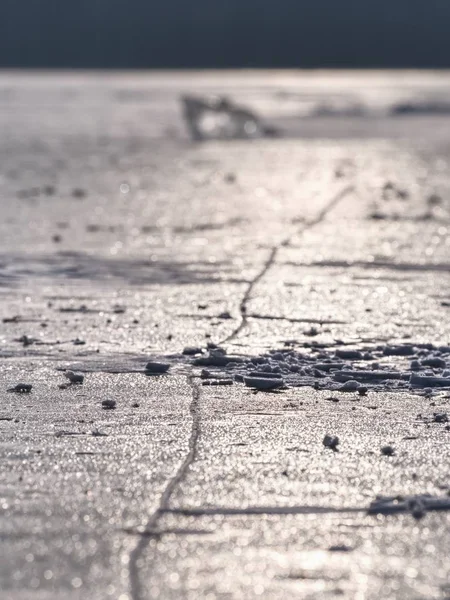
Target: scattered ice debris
x: 109, y: 404
x: 388, y: 451
x: 74, y: 378
x: 217, y: 117
x: 21, y: 388
x: 156, y: 368
x: 331, y: 441
x: 417, y: 506
x: 263, y: 383
x: 362, y: 368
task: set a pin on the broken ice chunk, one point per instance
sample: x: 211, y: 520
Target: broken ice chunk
x: 417, y: 505
x: 217, y: 117
x: 261, y: 383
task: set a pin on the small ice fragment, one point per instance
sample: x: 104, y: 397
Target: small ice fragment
x: 262, y: 383
x: 421, y: 381
x: 230, y: 178
x: 435, y: 362
x: 349, y: 386
x: 403, y: 350
x: 191, y: 350
x: 417, y: 508
x: 440, y: 418
x: 109, y: 404
x: 217, y: 351
x: 224, y: 315
x: 416, y: 505
x: 312, y: 332
x: 331, y: 441
x: 329, y: 366
x: 97, y: 433
x: 216, y: 360
x: 156, y: 368
x: 75, y: 378
x: 434, y: 200
x: 217, y: 117
x: 264, y: 374
x: 366, y: 375
x: 78, y: 193
x: 349, y: 354
x: 21, y: 388
x: 340, y: 548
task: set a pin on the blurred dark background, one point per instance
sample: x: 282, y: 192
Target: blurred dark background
x: 224, y: 33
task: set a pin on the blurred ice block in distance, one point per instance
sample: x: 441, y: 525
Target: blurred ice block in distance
x: 216, y: 118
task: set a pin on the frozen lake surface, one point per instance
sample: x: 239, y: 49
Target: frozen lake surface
x: 293, y: 292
